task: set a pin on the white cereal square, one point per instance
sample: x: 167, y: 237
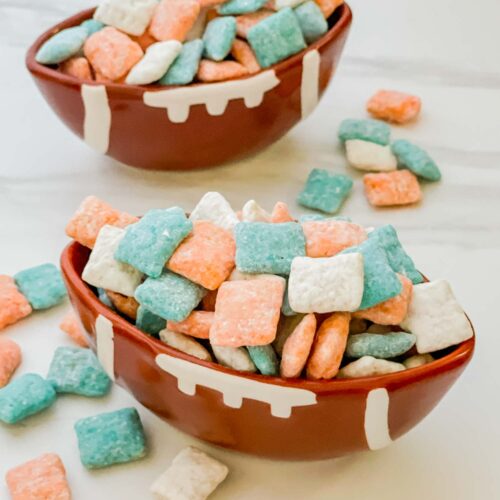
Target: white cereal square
x: 193, y: 475
x: 130, y: 16
x: 215, y: 208
x: 436, y: 318
x: 371, y: 157
x: 253, y: 212
x: 103, y: 271
x: 326, y: 284
x: 368, y: 366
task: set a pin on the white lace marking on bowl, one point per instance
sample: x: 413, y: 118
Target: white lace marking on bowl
x: 105, y: 345
x: 377, y: 419
x: 215, y: 96
x: 234, y: 388
x: 309, y: 90
x: 97, y: 117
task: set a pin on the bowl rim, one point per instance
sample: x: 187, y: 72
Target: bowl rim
x: 461, y: 355
x: 50, y: 73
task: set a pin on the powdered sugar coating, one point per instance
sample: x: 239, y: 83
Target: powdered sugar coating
x: 366, y: 155
x: 72, y: 327
x: 13, y: 304
x: 130, y: 16
x: 367, y: 366
x: 185, y: 344
x: 197, y: 324
x: 215, y: 208
x: 10, y: 359
x: 236, y: 358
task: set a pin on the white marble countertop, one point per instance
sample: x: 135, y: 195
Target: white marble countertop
x: 446, y: 52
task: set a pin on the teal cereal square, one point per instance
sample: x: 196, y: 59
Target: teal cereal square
x: 235, y: 7
x: 42, y: 285
x: 219, y: 37
x: 268, y: 248
x: 76, y: 370
x: 325, y: 191
x: 365, y: 130
x: 172, y: 297
x: 265, y: 359
x: 25, y: 396
x: 110, y: 438
x: 63, y: 45
x: 149, y: 322
x: 149, y: 243
x: 386, y: 346
x: 277, y: 37
x: 184, y: 68
x: 311, y: 20
x: 416, y: 160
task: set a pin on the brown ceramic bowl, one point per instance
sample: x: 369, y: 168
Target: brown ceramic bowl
x: 264, y: 416
x: 157, y: 128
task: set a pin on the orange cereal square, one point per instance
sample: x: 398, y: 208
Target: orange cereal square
x: 91, y: 216
x: 78, y: 67
x: 10, y: 359
x: 243, y: 53
x: 394, y: 106
x: 173, y: 19
x: 43, y: 478
x: 206, y: 256
x: 281, y: 213
x: 247, y: 312
x: 197, y: 324
x: 71, y: 326
x: 13, y: 304
x: 325, y: 238
x: 211, y: 71
x: 400, y: 187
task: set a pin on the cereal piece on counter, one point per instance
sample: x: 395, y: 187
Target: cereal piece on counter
x: 297, y: 347
x: 112, y: 53
x: 129, y: 16
x: 253, y: 212
x: 237, y: 7
x: 281, y: 213
x: 328, y: 7
x: 193, y: 475
x: 416, y: 159
x: 110, y: 438
x: 417, y: 360
x: 381, y: 346
x: 149, y: 244
x: 92, y: 26
x: 325, y: 191
x: 10, y: 359
x: 286, y: 326
x: 368, y: 156
x: 326, y: 238
x: 206, y: 256
x: 367, y: 366
x: 247, y: 21
x: 184, y: 68
x: 43, y: 478
x: 243, y: 54
x: 247, y: 312
x: 61, y: 46
x: 392, y: 311
x: 436, y: 318
x: 394, y: 106
x: 173, y: 19
x: 399, y: 260
x: 13, y: 304
x: 155, y: 63
x: 329, y: 347
x: 208, y: 301
x: 170, y: 296
x: 71, y: 326
x: 78, y: 67
x: 104, y: 271
x: 185, y: 344
x: 218, y: 38
x: 326, y: 284
x: 393, y: 188
x: 25, y: 396
x: 42, y: 285
x: 276, y: 37
x: 149, y: 322
x: 76, y: 370
x: 268, y: 248
x: 215, y: 208
x: 380, y: 281
x: 236, y: 358
x: 365, y: 130
x: 210, y: 71
x: 311, y: 20
x: 357, y: 325
x: 91, y: 216
x: 265, y: 359
x: 197, y: 324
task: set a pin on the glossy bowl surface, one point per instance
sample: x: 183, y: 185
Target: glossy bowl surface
x: 264, y: 416
x: 199, y: 125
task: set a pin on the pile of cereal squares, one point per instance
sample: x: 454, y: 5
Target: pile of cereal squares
x: 260, y: 292
x: 175, y: 42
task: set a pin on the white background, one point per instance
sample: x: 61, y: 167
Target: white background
x: 446, y: 51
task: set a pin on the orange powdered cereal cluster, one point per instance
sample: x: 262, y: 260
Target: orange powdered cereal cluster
x: 243, y: 53
x: 126, y: 305
x: 172, y: 19
x: 10, y: 359
x: 211, y: 71
x: 394, y: 106
x: 400, y: 187
x: 13, y: 304
x: 197, y: 324
x: 281, y: 213
x: 71, y: 326
x: 78, y: 67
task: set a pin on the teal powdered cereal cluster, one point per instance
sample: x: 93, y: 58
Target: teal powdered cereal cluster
x: 149, y: 322
x: 325, y: 191
x: 415, y: 159
x: 218, y: 37
x: 382, y: 346
x: 311, y: 20
x: 265, y: 359
x: 268, y: 248
x: 149, y: 243
x: 184, y: 68
x: 42, y: 285
x: 25, y: 396
x: 235, y: 7
x: 62, y: 45
x: 75, y: 370
x: 365, y: 130
x: 110, y: 438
